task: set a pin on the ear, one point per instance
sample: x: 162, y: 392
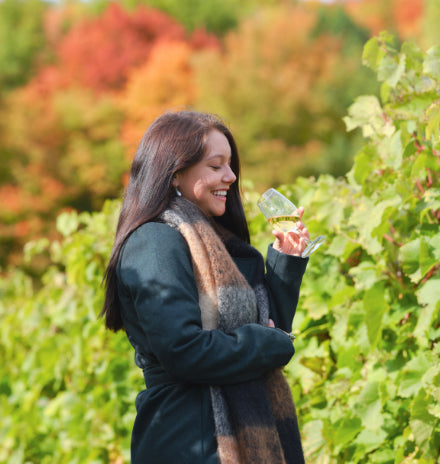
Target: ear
x: 175, y: 181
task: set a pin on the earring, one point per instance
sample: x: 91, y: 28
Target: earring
x: 178, y: 193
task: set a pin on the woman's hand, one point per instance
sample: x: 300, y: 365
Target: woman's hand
x: 292, y: 243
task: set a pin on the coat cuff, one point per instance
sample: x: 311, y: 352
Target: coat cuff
x: 283, y: 264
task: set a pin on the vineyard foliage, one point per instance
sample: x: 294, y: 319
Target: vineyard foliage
x: 367, y: 371
x: 366, y: 374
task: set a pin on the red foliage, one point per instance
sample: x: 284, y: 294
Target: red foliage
x: 98, y: 53
x: 65, y: 125
x: 202, y: 40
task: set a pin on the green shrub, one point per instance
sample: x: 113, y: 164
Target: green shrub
x: 366, y: 375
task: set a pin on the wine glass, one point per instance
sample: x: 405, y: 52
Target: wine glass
x: 283, y: 215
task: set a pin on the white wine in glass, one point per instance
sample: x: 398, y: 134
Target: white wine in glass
x: 284, y: 223
x: 283, y: 215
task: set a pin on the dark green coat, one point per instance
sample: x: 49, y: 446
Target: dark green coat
x: 160, y: 310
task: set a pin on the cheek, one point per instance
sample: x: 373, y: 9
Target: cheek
x: 200, y: 187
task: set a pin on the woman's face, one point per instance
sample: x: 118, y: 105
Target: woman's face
x: 207, y: 183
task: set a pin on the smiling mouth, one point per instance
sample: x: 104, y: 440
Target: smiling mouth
x: 221, y: 194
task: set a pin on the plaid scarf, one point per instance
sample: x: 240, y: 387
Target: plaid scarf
x: 255, y: 421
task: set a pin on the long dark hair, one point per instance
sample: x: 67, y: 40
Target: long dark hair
x: 174, y: 141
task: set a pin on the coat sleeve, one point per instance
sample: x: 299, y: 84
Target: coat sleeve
x: 156, y: 274
x: 283, y: 279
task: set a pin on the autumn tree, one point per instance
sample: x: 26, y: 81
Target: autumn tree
x: 165, y: 82
x: 99, y: 52
x: 283, y: 93
x: 64, y: 130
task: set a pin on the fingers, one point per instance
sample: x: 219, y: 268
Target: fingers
x: 303, y: 230
x: 291, y: 243
x: 279, y: 242
x: 302, y: 244
x: 279, y: 235
x: 305, y: 233
x: 297, y: 242
x: 296, y: 237
x: 300, y: 211
x: 271, y: 323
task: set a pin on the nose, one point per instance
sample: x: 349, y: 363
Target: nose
x: 229, y: 175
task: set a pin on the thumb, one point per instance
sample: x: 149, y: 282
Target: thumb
x: 280, y: 236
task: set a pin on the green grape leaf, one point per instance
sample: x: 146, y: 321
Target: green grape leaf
x: 391, y: 73
x: 414, y: 57
x: 342, y: 296
x: 409, y: 254
x: 374, y: 306
x: 371, y: 439
x: 366, y: 113
x: 369, y: 405
x: 434, y: 409
x: 348, y: 357
x: 364, y: 165
x: 429, y: 293
x: 419, y: 256
x: 390, y: 150
x: 314, y: 443
x: 364, y: 275
x: 411, y: 376
x: 414, y: 108
x: 429, y: 253
x: 345, y: 430
x: 372, y: 53
x: 67, y: 223
x: 422, y: 422
x: 433, y: 126
x: 367, y: 217
x: 431, y: 64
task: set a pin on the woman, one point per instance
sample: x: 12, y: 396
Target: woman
x: 208, y: 325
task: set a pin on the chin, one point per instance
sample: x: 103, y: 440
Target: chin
x: 217, y: 213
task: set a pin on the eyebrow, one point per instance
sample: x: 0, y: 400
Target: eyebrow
x: 209, y: 157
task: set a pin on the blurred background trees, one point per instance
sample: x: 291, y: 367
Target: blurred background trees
x: 366, y: 373
x: 80, y: 82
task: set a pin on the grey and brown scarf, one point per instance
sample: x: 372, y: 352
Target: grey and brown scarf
x: 255, y: 421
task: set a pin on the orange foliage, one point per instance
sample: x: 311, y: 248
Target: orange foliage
x: 372, y: 14
x: 64, y: 127
x: 42, y: 193
x: 399, y: 16
x: 13, y: 199
x: 22, y: 228
x: 32, y: 124
x: 164, y: 82
x: 268, y: 77
x: 408, y: 17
